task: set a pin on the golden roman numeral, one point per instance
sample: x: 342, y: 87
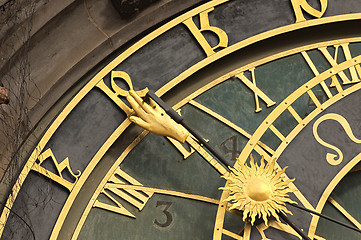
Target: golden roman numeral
x: 115, y: 92
x: 135, y: 198
x: 299, y: 5
x: 315, y: 71
x: 257, y: 92
x: 60, y: 167
x: 205, y: 26
x: 355, y: 71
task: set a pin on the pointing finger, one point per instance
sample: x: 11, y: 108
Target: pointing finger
x: 140, y: 101
x: 139, y: 122
x: 138, y: 109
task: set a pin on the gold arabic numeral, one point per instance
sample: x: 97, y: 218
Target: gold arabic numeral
x: 168, y: 215
x: 205, y: 26
x: 60, y: 167
x: 355, y: 71
x: 299, y: 5
x: 115, y: 92
x: 257, y: 92
x: 117, y: 185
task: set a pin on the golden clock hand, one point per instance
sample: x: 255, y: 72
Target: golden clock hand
x: 179, y: 119
x: 153, y: 118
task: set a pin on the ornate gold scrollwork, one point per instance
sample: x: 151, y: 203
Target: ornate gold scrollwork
x: 205, y: 26
x: 115, y: 92
x: 60, y: 167
x: 126, y: 78
x: 330, y: 157
x: 299, y: 5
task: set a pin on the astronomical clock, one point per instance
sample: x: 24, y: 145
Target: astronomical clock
x: 231, y: 120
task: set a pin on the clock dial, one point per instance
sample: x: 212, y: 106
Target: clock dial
x: 171, y: 168
x: 287, y: 106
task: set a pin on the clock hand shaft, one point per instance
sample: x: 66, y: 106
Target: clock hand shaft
x: 325, y: 217
x: 179, y: 119
x: 287, y: 220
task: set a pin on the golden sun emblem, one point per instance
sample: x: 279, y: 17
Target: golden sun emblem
x: 258, y: 190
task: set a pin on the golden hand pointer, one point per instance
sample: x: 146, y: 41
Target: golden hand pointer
x: 154, y: 119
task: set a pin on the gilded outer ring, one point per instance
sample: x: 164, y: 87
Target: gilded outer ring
x: 181, y: 77
x: 73, y: 103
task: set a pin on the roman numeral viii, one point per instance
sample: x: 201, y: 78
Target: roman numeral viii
x: 118, y: 192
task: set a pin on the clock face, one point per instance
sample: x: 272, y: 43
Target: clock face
x: 179, y: 195
x: 294, y: 105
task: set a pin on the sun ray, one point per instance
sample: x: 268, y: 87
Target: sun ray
x: 258, y: 190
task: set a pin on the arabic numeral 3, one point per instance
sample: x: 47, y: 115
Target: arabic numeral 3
x: 164, y: 205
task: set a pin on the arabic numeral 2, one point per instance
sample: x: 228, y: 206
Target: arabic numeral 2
x: 164, y: 206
